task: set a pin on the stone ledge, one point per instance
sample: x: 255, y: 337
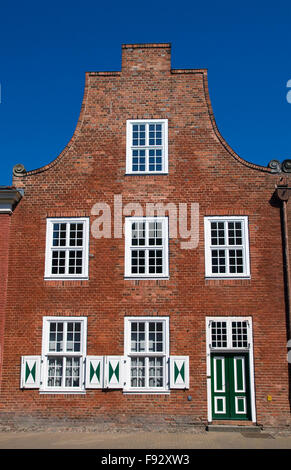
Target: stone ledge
x: 233, y: 428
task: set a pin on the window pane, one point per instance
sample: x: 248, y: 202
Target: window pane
x: 138, y: 337
x: 55, y: 372
x: 218, y: 334
x: 156, y: 337
x: 138, y: 234
x: 75, y: 262
x: 218, y: 261
x: 59, y: 235
x: 76, y: 234
x: 235, y: 261
x: 138, y: 160
x: 156, y: 372
x: 155, y: 134
x: 138, y: 262
x: 155, y: 160
x: 72, y: 378
x: 58, y: 262
x: 239, y: 334
x: 56, y: 337
x: 217, y: 233
x: 137, y: 372
x: 138, y: 135
x: 73, y: 337
x: 234, y: 233
x: 155, y: 233
x: 155, y: 261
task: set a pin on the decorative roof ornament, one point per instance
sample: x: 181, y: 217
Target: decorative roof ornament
x: 19, y: 170
x: 277, y: 167
x: 286, y: 166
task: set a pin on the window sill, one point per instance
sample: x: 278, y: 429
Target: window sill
x: 226, y: 278
x: 146, y: 392
x: 62, y: 392
x: 147, y: 173
x: 152, y: 278
x: 83, y: 278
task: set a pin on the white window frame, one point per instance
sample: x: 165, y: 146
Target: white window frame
x: 128, y: 354
x: 129, y: 247
x: 229, y: 339
x: 146, y: 147
x: 244, y: 247
x: 49, y: 248
x: 46, y: 354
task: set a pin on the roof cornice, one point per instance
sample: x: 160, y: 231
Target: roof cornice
x: 9, y: 198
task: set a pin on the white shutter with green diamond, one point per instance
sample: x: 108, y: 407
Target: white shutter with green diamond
x: 30, y: 372
x: 179, y: 372
x: 94, y: 371
x: 113, y: 372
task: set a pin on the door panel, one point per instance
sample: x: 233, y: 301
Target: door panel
x: 230, y: 386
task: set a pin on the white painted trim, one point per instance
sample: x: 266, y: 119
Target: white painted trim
x: 85, y: 249
x: 46, y: 353
x: 245, y: 247
x: 26, y: 360
x: 94, y: 384
x: 6, y: 208
x: 215, y: 405
x: 118, y: 361
x: 128, y: 354
x: 242, y: 358
x: 179, y: 359
x: 222, y: 358
x: 250, y: 350
x: 129, y: 124
x: 236, y: 405
x: 128, y: 247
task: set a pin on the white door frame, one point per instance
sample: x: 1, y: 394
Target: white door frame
x: 250, y: 350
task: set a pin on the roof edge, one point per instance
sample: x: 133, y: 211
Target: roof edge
x: 223, y: 142
x: 68, y: 146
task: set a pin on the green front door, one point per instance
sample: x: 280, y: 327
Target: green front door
x: 230, y: 388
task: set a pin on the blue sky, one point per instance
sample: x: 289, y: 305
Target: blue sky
x: 46, y: 47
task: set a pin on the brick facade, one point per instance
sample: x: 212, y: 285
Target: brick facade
x: 203, y: 169
x: 4, y: 244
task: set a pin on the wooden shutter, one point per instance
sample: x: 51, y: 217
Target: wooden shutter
x: 30, y: 372
x: 179, y: 372
x: 94, y: 372
x: 113, y: 372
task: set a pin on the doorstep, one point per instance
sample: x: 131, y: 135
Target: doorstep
x: 233, y: 426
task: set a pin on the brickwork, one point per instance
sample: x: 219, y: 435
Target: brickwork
x: 202, y: 169
x: 4, y: 251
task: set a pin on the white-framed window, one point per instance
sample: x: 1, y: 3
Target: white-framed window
x: 147, y: 146
x: 226, y: 247
x: 229, y: 333
x: 64, y: 344
x: 146, y: 348
x: 67, y: 248
x: 146, y: 247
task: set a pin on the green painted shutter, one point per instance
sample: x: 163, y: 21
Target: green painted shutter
x: 94, y: 372
x: 30, y: 372
x: 179, y: 372
x: 113, y: 372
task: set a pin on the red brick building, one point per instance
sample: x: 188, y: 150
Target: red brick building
x: 182, y: 317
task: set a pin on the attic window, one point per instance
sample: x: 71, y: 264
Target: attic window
x: 147, y: 146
